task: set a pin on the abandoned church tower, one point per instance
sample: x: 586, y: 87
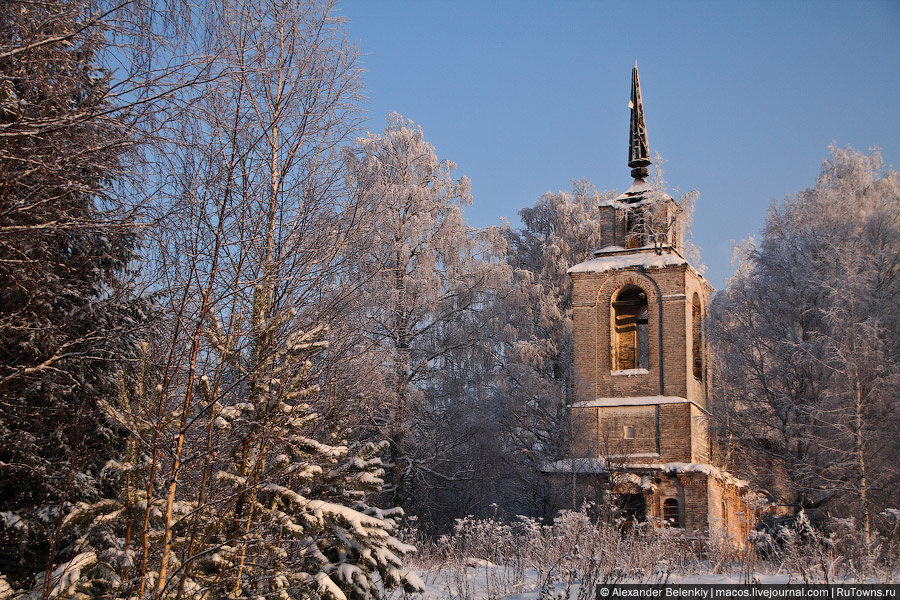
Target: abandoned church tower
x: 640, y: 420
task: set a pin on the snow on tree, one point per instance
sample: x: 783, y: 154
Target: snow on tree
x: 299, y: 508
x: 538, y: 378
x: 67, y: 317
x: 807, y: 339
x: 423, y: 278
x: 282, y: 514
x: 233, y: 478
x: 251, y: 224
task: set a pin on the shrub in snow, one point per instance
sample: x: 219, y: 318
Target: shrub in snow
x: 568, y: 558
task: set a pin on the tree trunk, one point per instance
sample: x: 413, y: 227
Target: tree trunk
x: 861, y: 463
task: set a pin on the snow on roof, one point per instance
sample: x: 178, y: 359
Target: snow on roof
x: 708, y: 470
x: 645, y: 260
x: 600, y: 466
x: 644, y: 482
x: 579, y: 465
x: 614, y: 202
x: 631, y: 401
x: 638, y: 193
x: 639, y: 186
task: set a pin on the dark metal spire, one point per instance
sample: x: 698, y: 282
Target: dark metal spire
x: 638, y: 148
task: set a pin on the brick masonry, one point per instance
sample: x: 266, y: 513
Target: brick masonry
x: 664, y: 418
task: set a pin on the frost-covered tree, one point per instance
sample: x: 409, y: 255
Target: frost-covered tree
x: 252, y: 226
x: 247, y: 211
x: 807, y: 339
x: 67, y: 319
x: 538, y: 379
x: 422, y: 278
x: 299, y: 519
x: 278, y: 512
x: 236, y: 479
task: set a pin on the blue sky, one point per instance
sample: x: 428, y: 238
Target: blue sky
x: 742, y: 99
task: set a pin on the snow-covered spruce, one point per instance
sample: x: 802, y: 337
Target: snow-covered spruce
x: 298, y: 503
x: 284, y: 515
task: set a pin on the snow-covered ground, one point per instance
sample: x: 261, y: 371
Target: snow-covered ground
x: 525, y: 560
x: 485, y: 581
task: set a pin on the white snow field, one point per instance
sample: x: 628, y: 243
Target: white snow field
x: 524, y: 560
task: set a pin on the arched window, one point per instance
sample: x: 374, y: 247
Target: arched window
x: 672, y: 512
x: 631, y: 345
x: 697, y: 337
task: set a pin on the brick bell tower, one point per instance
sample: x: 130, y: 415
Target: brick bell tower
x: 640, y: 419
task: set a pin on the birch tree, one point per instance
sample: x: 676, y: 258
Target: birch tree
x: 422, y: 275
x: 537, y: 366
x: 252, y: 244
x: 807, y: 334
x: 232, y: 483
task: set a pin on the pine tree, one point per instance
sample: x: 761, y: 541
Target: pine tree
x: 66, y: 319
x: 299, y: 525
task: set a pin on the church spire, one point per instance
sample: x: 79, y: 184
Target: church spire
x: 638, y: 148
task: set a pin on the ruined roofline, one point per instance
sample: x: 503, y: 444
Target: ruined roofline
x: 638, y: 194
x: 613, y: 250
x: 616, y: 258
x: 601, y: 466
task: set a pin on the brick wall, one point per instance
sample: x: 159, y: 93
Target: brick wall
x: 669, y: 294
x: 677, y: 431
x: 584, y: 432
x: 612, y: 422
x: 697, y: 390
x: 592, y: 297
x: 696, y: 499
x: 608, y: 234
x: 670, y: 370
x: 730, y: 514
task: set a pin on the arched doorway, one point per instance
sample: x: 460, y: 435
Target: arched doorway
x: 672, y: 513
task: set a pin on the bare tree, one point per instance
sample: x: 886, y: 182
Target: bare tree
x: 807, y: 338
